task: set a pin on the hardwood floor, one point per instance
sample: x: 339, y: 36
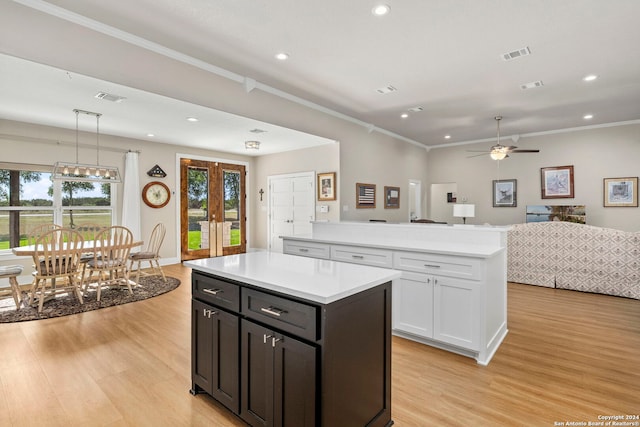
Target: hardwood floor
x: 569, y: 356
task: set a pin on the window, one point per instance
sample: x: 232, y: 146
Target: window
x: 29, y: 197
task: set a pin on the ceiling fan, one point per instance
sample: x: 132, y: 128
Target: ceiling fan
x: 499, y: 151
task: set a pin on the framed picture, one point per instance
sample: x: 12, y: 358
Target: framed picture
x: 391, y: 197
x: 621, y: 192
x: 365, y: 196
x: 326, y: 186
x: 505, y: 193
x: 557, y: 182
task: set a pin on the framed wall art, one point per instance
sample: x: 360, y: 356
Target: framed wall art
x: 621, y: 192
x: 505, y: 193
x: 365, y: 196
x: 391, y: 197
x: 326, y: 186
x: 557, y: 182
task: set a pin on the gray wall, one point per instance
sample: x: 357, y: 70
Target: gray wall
x: 595, y: 153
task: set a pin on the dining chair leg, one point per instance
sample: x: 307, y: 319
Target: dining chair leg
x: 16, y: 293
x: 164, y: 278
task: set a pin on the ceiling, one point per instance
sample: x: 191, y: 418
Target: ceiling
x: 444, y: 56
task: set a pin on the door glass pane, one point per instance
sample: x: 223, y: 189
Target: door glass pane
x: 232, y: 199
x: 198, y: 202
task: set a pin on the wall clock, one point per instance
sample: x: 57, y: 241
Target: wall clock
x: 156, y: 194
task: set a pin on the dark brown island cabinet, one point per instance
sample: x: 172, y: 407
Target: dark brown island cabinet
x: 279, y: 353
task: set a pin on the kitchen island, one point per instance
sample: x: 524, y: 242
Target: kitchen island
x: 285, y: 340
x: 453, y: 289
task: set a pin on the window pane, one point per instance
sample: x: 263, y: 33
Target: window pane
x: 23, y: 189
x: 231, y: 208
x: 198, y: 201
x: 23, y: 222
x: 81, y: 219
x: 86, y: 194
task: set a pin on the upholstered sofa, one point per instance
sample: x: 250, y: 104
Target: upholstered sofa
x: 575, y: 256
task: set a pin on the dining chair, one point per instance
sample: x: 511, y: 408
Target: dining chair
x: 150, y: 254
x: 12, y: 272
x: 38, y: 230
x: 112, y: 246
x: 56, y: 258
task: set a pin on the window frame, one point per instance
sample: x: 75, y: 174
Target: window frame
x: 57, y: 208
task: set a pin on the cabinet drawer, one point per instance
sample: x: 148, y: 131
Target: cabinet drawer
x: 465, y: 268
x: 361, y: 255
x: 282, y: 313
x: 310, y: 249
x: 215, y: 291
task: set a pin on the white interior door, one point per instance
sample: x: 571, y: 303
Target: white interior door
x: 291, y: 206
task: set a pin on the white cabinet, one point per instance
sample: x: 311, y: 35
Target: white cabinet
x: 362, y: 255
x: 437, y: 307
x: 452, y: 292
x: 456, y: 312
x: 412, y: 300
x: 310, y: 249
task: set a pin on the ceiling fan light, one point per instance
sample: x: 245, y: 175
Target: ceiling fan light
x: 498, y: 153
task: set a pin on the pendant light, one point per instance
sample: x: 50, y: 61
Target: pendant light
x: 64, y: 171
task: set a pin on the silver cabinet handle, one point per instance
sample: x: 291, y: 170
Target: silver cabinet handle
x: 212, y: 291
x: 432, y: 265
x: 357, y: 256
x: 208, y: 313
x: 273, y: 311
x: 303, y: 250
x: 265, y: 337
x: 274, y: 340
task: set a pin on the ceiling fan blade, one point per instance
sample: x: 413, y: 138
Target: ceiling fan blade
x: 510, y: 147
x: 479, y: 151
x: 478, y: 155
x: 525, y: 151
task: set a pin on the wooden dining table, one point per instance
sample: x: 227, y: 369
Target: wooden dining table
x: 88, y: 247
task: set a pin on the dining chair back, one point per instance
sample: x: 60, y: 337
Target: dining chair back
x: 151, y: 254
x: 38, y: 230
x: 112, y: 246
x: 56, y: 259
x: 89, y: 230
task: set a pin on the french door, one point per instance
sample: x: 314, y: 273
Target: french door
x: 213, y: 209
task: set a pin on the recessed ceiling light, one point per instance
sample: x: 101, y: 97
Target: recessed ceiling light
x: 590, y: 78
x: 192, y: 119
x: 282, y: 56
x: 588, y: 116
x: 150, y: 135
x: 447, y: 137
x: 404, y: 115
x: 380, y: 10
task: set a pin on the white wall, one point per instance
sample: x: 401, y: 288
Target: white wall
x: 595, y: 153
x: 321, y: 159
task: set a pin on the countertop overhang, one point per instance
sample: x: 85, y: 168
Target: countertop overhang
x: 316, y: 280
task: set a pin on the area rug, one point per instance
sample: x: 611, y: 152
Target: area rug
x: 64, y: 305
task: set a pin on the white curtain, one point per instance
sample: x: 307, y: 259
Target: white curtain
x: 131, y: 197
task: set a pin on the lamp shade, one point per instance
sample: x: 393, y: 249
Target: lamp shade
x: 464, y: 210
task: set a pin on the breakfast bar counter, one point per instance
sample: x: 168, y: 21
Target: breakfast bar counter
x: 280, y: 339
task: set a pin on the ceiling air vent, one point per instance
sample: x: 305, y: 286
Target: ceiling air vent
x: 256, y: 130
x: 532, y: 85
x: 109, y: 97
x: 415, y: 109
x: 516, y: 54
x: 386, y: 89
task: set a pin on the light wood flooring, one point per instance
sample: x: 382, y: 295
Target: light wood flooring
x: 568, y: 357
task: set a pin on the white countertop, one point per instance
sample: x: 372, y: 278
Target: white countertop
x: 444, y: 248
x: 317, y: 280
